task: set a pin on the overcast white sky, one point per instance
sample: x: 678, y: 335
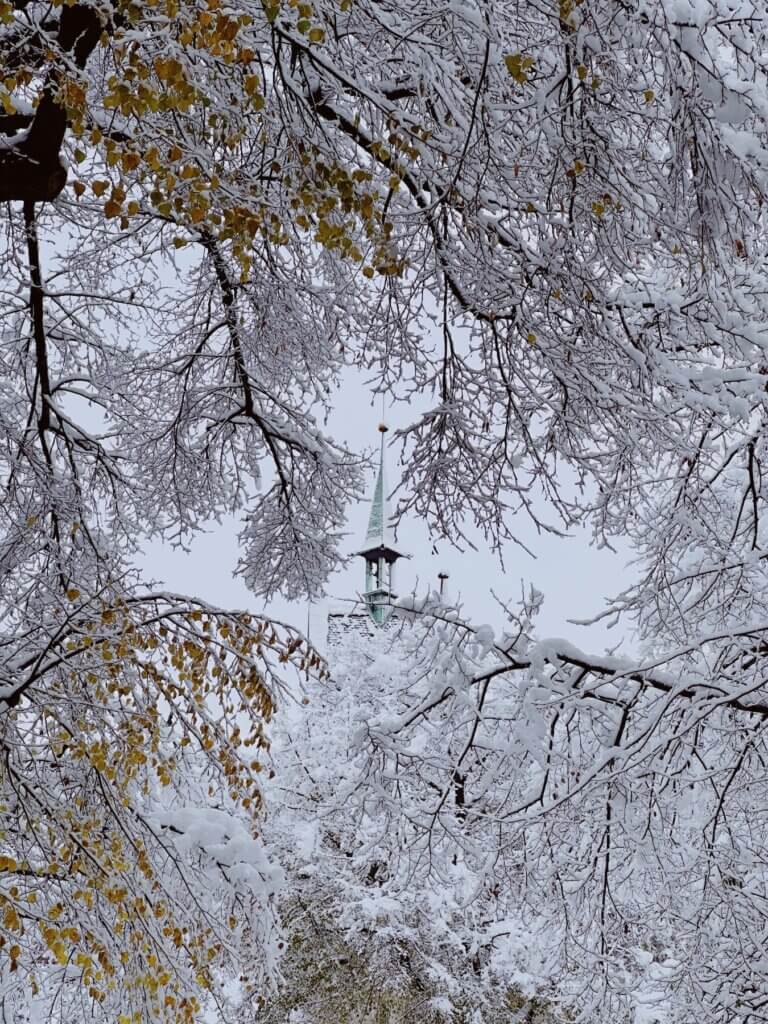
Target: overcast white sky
x: 573, y: 576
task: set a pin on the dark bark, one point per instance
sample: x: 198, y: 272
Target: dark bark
x: 10, y: 123
x: 31, y: 171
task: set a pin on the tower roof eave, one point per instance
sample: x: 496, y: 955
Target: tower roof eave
x: 387, y: 551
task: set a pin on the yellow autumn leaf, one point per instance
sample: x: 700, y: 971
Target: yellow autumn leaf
x: 11, y: 919
x: 59, y: 951
x: 130, y: 161
x: 518, y: 64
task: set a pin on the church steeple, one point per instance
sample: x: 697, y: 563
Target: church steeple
x: 379, y: 551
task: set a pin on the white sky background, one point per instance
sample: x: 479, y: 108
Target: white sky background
x: 573, y: 576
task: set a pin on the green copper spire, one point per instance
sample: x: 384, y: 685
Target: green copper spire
x: 378, y: 551
x: 378, y: 519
